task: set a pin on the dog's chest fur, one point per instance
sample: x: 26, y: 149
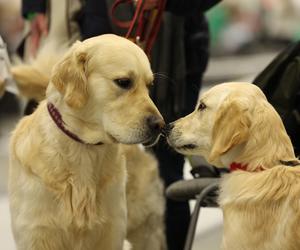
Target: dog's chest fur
x: 75, y: 181
x: 85, y: 193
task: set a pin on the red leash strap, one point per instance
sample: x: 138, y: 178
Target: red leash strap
x: 126, y: 24
x: 137, y: 18
x: 121, y: 24
x: 145, y: 23
x: 155, y: 27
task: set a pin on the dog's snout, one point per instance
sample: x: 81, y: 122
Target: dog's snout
x: 155, y: 123
x: 167, y: 129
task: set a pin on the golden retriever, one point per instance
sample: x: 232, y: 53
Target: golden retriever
x: 67, y: 162
x: 234, y: 126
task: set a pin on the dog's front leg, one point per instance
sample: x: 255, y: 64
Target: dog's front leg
x: 127, y: 245
x: 112, y: 237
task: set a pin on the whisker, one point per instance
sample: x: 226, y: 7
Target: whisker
x: 161, y: 75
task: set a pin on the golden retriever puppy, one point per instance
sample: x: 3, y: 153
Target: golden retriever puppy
x: 234, y: 126
x: 67, y: 162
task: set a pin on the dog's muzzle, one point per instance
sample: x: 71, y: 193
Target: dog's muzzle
x: 167, y: 129
x: 155, y: 125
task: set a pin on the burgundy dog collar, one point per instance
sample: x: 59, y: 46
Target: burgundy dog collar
x: 56, y: 117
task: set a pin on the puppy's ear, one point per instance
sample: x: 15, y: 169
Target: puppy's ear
x: 231, y: 127
x: 69, y: 76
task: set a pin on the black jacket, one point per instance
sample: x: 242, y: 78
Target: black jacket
x: 184, y: 7
x: 196, y: 37
x: 33, y: 6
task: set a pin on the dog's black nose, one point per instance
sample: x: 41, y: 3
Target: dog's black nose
x: 155, y: 123
x: 167, y: 129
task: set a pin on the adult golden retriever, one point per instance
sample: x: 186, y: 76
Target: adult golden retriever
x: 234, y: 126
x: 67, y: 162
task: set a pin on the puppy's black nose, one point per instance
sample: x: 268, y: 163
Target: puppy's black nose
x: 167, y: 129
x: 155, y: 123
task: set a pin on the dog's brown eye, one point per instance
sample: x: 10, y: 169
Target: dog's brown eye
x: 202, y: 106
x: 124, y: 83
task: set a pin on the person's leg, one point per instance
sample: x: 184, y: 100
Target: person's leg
x: 30, y: 107
x: 177, y: 213
x: 193, y: 85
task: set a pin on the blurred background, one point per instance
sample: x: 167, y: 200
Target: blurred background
x: 245, y: 36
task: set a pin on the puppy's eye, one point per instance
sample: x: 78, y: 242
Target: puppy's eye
x: 124, y: 83
x: 202, y: 106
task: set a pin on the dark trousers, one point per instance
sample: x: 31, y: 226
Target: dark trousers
x: 177, y: 215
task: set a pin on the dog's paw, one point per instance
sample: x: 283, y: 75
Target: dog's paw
x: 127, y: 245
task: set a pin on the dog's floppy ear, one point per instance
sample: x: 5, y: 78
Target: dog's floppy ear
x: 69, y: 76
x: 231, y: 126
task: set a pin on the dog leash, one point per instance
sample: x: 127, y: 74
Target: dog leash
x: 143, y: 28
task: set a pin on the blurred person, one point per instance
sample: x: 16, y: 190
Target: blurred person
x: 84, y: 19
x: 181, y: 52
x: 9, y: 104
x: 11, y: 23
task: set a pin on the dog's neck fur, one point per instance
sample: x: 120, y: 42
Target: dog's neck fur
x: 77, y: 122
x: 230, y: 157
x: 268, y: 143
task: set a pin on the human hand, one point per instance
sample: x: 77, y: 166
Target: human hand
x: 150, y: 4
x: 39, y: 28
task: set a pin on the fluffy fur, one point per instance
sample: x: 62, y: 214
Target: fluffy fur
x: 233, y: 122
x: 32, y: 78
x: 68, y: 195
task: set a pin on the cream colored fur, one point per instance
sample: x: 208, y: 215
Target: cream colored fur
x: 68, y: 195
x: 261, y: 205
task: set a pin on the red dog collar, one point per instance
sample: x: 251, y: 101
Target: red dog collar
x: 237, y: 166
